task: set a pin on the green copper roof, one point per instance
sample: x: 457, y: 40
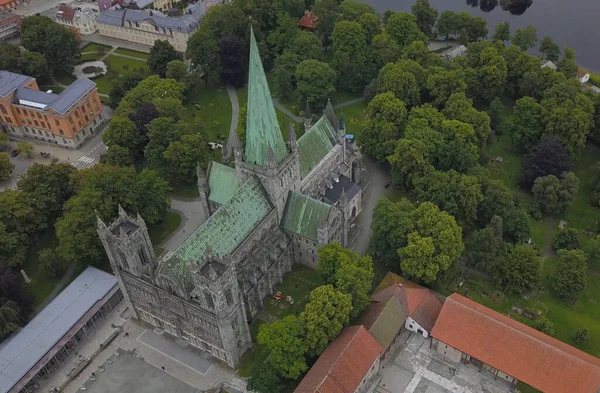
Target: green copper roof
x: 222, y: 232
x: 222, y: 181
x: 315, y: 144
x: 302, y: 215
x: 262, y: 127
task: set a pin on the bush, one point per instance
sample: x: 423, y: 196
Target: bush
x: 25, y: 148
x: 544, y: 326
x: 580, y: 336
x: 566, y: 239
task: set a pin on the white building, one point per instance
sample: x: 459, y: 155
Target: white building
x: 81, y: 18
x: 549, y: 64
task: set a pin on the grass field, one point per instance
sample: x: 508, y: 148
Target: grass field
x: 257, y: 355
x: 186, y: 190
x: 90, y: 57
x: 161, y: 231
x: 95, y: 47
x: 213, y: 109
x: 118, y: 65
x: 41, y: 285
x: 134, y: 53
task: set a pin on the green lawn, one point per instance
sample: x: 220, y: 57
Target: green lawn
x: 134, y: 53
x: 95, y: 47
x: 298, y: 284
x: 161, y: 231
x: 213, y: 108
x: 41, y: 285
x: 341, y: 96
x: 64, y: 78
x: 354, y: 116
x: 118, y: 65
x: 89, y: 57
x: 257, y: 355
x: 186, y: 190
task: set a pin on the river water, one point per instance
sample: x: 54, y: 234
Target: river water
x: 574, y: 23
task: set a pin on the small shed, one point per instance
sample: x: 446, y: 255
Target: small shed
x: 454, y: 52
x: 549, y: 64
x: 308, y: 21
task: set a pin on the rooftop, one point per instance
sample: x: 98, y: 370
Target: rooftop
x: 222, y: 232
x: 222, y: 181
x: 350, y: 188
x: 24, y: 349
x: 383, y: 320
x: 65, y: 12
x: 418, y: 302
x: 343, y: 364
x: 302, y: 215
x: 522, y: 352
x: 308, y: 20
x: 9, y: 82
x: 315, y: 144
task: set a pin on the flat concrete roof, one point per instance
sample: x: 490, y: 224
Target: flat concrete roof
x: 24, y: 349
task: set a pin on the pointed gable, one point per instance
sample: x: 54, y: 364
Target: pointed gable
x: 262, y: 127
x: 302, y: 215
x: 315, y: 144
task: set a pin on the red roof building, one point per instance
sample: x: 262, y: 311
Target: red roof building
x: 421, y: 306
x: 345, y: 366
x: 466, y: 330
x: 307, y: 21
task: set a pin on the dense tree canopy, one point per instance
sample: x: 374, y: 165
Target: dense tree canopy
x: 554, y: 195
x: 570, y: 277
x: 425, y: 15
x: 549, y: 49
x: 287, y: 347
x: 526, y: 38
x: 315, y: 82
x: 502, y: 32
x: 566, y: 239
x: 324, y: 316
x: 394, y: 78
x: 403, y: 28
x: 548, y: 157
x: 525, y: 126
x: 161, y: 53
x: 6, y: 167
x: 519, y: 270
x: 485, y: 247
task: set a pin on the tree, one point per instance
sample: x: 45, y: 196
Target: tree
x: 314, y: 83
x: 234, y: 60
x: 519, y: 270
x: 433, y: 247
x: 566, y: 239
x: 348, y: 272
x: 592, y: 250
x: 352, y: 10
x: 9, y: 57
x: 570, y: 276
x: 124, y: 133
x: 203, y: 51
x: 143, y: 116
x: 567, y: 65
x: 12, y: 288
x: 287, y: 346
x: 162, y: 132
x: 460, y: 108
x: 441, y: 85
x: 485, y: 247
x: 101, y: 188
x: 9, y: 318
x: 525, y: 126
x: 122, y: 85
x: 25, y: 148
x: 118, y: 156
x: 183, y: 156
x: 161, y: 53
x: 284, y: 78
x: 554, y: 196
x: 6, y: 167
x: 264, y: 379
x: 490, y: 75
x: 403, y: 28
x: 544, y: 325
x: 384, y: 50
x: 448, y: 24
x: 391, y: 225
x: 580, y: 335
x: 54, y: 41
x: 496, y: 115
x: 50, y: 262
x: 324, y: 316
x: 386, y: 116
x: 326, y: 15
x: 548, y: 157
x: 151, y: 90
x: 281, y: 38
x: 502, y: 32
x: 526, y: 38
x: 306, y: 46
x: 457, y: 194
x: 176, y: 69
x: 536, y: 83
x: 371, y: 25
x: 48, y: 187
x: 349, y: 59
x: 425, y: 15
x: 33, y: 64
x: 549, y: 49
x: 349, y: 37
x: 520, y: 64
x: 394, y: 78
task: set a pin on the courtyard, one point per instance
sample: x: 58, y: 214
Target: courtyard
x: 416, y: 368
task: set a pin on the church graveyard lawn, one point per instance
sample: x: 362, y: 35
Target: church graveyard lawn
x: 298, y: 284
x: 160, y: 232
x: 257, y: 355
x: 186, y: 190
x: 213, y: 110
x: 353, y: 117
x: 41, y: 285
x: 133, y: 53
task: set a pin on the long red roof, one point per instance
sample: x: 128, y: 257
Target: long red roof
x: 343, y: 364
x: 524, y: 353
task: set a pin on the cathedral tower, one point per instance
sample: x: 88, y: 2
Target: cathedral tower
x: 266, y: 155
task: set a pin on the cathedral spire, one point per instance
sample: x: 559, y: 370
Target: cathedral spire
x: 262, y: 127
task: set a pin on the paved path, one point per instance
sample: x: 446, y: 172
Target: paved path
x: 192, y: 216
x: 347, y: 103
x: 235, y: 113
x: 287, y: 112
x: 380, y: 176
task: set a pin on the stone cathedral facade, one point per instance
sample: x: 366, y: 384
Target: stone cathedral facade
x: 277, y: 205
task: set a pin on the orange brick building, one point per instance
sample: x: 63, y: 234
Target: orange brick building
x: 66, y: 119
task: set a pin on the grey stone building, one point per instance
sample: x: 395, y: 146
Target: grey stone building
x: 281, y: 202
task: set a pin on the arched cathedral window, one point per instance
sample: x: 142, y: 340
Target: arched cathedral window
x: 209, y: 300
